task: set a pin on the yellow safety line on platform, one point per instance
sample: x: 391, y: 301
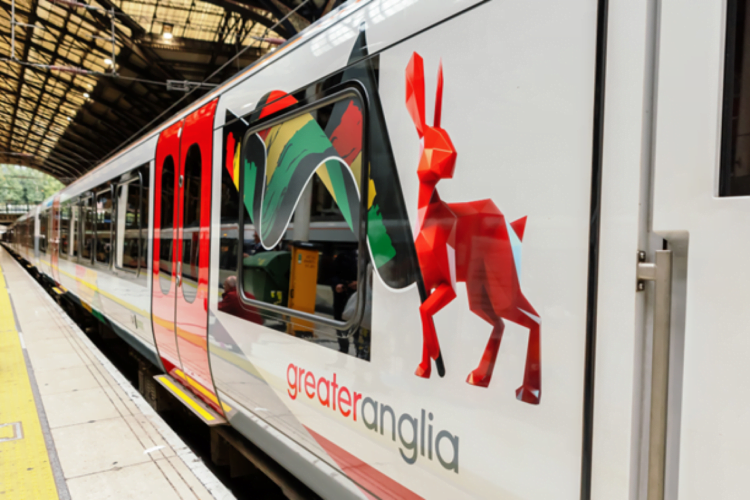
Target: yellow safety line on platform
x: 25, y: 471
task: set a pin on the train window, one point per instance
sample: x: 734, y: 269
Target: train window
x: 75, y: 218
x: 127, y: 231
x: 43, y: 230
x: 167, y: 223
x: 64, y: 230
x: 300, y: 258
x: 735, y: 147
x: 230, y: 209
x: 191, y: 222
x: 131, y: 221
x: 228, y: 258
x: 104, y: 226
x: 87, y: 214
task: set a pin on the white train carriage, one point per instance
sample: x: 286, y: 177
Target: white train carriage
x: 280, y: 249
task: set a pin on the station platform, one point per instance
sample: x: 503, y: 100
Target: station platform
x: 71, y: 426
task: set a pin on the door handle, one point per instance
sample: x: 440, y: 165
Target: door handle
x: 660, y: 272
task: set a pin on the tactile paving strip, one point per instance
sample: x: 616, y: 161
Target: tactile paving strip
x: 25, y: 471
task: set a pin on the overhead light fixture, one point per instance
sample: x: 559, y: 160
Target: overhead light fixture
x: 86, y: 95
x: 108, y: 61
x: 166, y: 31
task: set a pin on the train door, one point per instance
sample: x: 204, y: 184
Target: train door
x: 701, y: 206
x: 192, y: 250
x: 181, y: 256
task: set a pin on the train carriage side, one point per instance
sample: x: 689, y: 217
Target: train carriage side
x: 104, y: 244
x: 379, y: 352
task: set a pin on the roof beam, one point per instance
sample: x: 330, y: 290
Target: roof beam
x: 54, y: 110
x: 26, y: 46
x: 65, y: 164
x: 246, y: 10
x: 54, y: 164
x: 70, y: 85
x: 38, y: 102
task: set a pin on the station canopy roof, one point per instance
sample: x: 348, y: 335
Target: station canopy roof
x: 78, y: 78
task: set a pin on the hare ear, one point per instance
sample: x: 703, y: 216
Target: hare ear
x: 415, y: 92
x: 439, y: 97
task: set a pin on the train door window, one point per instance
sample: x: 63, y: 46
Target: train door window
x: 43, y: 230
x: 191, y: 222
x: 301, y: 259
x: 735, y: 154
x: 128, y: 245
x: 87, y: 213
x: 103, y: 226
x: 167, y: 223
x: 64, y: 230
x: 144, y: 220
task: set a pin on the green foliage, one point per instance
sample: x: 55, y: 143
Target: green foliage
x: 22, y: 185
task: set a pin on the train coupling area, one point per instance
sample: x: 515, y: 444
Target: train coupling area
x: 71, y: 425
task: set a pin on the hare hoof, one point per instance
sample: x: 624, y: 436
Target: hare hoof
x: 475, y: 378
x: 529, y: 395
x: 423, y: 371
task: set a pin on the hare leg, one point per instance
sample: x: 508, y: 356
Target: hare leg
x: 531, y: 390
x: 483, y: 373
x: 431, y: 348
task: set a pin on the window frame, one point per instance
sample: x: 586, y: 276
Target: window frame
x: 328, y: 97
x: 727, y: 129
x: 81, y: 202
x: 74, y: 249
x: 96, y: 195
x: 115, y: 223
x: 44, y: 229
x: 63, y: 207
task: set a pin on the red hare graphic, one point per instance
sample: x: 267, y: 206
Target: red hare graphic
x: 470, y: 242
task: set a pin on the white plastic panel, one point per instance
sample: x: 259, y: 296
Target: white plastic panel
x: 710, y: 436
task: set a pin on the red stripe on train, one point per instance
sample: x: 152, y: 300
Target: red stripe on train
x: 377, y: 484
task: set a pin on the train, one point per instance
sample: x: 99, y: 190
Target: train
x: 362, y: 249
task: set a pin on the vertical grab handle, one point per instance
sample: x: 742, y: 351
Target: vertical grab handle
x: 660, y: 272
